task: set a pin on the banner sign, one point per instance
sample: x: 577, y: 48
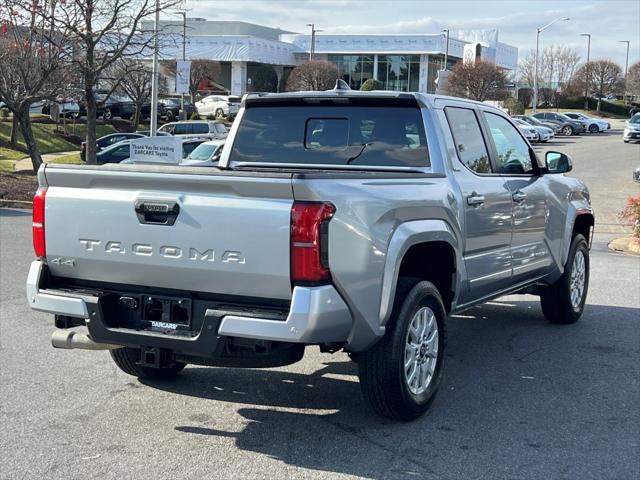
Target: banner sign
x: 164, y: 149
x: 183, y: 73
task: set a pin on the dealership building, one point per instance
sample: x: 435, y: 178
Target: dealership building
x: 258, y: 58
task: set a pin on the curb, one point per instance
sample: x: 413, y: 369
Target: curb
x: 7, y: 203
x: 625, y: 245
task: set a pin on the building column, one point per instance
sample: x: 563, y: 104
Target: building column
x: 238, y: 78
x: 375, y: 66
x: 423, y: 79
x: 279, y: 69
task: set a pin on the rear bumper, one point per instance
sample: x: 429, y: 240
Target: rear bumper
x: 316, y: 315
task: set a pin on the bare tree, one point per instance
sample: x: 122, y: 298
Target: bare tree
x: 480, y: 81
x: 632, y: 86
x: 32, y: 53
x: 102, y: 33
x: 132, y: 78
x: 202, y: 70
x: 313, y: 75
x: 556, y: 68
x: 605, y: 77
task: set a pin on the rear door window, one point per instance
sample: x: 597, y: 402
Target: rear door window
x: 182, y: 129
x: 468, y: 138
x: 199, y: 128
x: 360, y: 134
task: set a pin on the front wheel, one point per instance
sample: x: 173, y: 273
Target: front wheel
x: 400, y: 375
x: 127, y: 360
x: 219, y: 113
x: 567, y: 130
x: 563, y: 301
x: 593, y: 128
x: 107, y: 115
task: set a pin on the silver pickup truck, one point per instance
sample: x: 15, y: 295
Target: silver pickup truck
x: 354, y: 221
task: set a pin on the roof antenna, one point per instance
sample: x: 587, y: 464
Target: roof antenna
x: 341, y: 85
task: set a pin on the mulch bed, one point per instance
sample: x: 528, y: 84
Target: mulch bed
x: 17, y: 186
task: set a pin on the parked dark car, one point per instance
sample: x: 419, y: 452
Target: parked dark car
x: 115, y: 153
x: 539, y: 123
x: 171, y: 107
x: 107, y: 141
x: 567, y: 125
x: 113, y: 106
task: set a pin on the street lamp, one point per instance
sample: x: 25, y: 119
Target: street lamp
x: 586, y: 83
x: 446, y: 50
x: 535, y: 69
x: 154, y: 74
x: 626, y: 66
x: 312, y: 49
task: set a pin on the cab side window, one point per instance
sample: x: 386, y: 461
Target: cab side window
x: 467, y: 136
x: 513, y: 151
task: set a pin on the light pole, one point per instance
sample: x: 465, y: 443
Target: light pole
x: 446, y: 50
x: 535, y: 68
x: 312, y: 49
x: 154, y: 74
x: 586, y: 82
x: 626, y: 62
x: 183, y: 114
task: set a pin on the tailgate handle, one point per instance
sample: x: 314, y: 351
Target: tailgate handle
x: 153, y: 212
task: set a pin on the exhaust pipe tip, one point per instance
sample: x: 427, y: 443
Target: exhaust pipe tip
x: 70, y: 340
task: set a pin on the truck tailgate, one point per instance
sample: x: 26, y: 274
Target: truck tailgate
x: 230, y: 231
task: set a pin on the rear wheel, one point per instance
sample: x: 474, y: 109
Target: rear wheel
x: 400, y: 375
x: 567, y: 130
x: 107, y: 114
x: 170, y: 116
x: 127, y: 360
x: 563, y: 301
x: 219, y: 113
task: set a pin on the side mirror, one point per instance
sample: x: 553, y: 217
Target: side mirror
x: 558, y: 162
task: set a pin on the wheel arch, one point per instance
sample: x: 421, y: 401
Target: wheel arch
x: 424, y: 250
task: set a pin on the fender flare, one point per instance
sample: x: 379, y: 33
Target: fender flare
x: 404, y: 237
x: 577, y: 208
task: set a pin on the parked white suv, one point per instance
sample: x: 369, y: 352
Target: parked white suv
x: 218, y: 105
x: 195, y: 128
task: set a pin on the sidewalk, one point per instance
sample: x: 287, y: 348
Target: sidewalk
x: 25, y: 163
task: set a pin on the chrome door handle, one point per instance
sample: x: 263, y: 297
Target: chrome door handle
x: 475, y: 199
x: 518, y: 196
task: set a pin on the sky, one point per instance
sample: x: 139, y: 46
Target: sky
x: 608, y: 21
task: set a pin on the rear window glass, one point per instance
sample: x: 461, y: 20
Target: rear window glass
x: 332, y: 135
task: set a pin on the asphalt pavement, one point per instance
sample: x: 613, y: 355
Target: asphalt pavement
x: 521, y: 398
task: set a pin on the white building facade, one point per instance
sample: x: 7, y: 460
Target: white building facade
x: 401, y: 62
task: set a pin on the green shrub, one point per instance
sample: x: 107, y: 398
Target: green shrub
x: 194, y: 116
x: 372, y: 84
x: 4, y: 113
x: 513, y: 106
x: 614, y: 107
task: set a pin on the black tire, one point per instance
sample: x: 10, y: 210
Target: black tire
x: 381, y: 368
x: 219, y: 113
x: 107, y: 115
x: 126, y: 359
x: 556, y: 298
x: 170, y: 116
x: 593, y: 128
x: 567, y: 130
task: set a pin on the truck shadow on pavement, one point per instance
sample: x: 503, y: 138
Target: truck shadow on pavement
x: 510, y: 377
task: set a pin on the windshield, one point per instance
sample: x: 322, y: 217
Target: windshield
x: 203, y: 152
x: 635, y: 119
x: 360, y: 133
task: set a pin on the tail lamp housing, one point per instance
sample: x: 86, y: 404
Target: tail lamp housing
x: 37, y: 226
x: 309, y: 242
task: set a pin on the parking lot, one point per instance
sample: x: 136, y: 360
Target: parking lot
x: 521, y: 398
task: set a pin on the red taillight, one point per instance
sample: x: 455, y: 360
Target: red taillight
x: 309, y: 222
x: 39, y: 246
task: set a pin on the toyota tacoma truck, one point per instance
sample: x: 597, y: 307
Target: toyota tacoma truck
x: 352, y: 221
